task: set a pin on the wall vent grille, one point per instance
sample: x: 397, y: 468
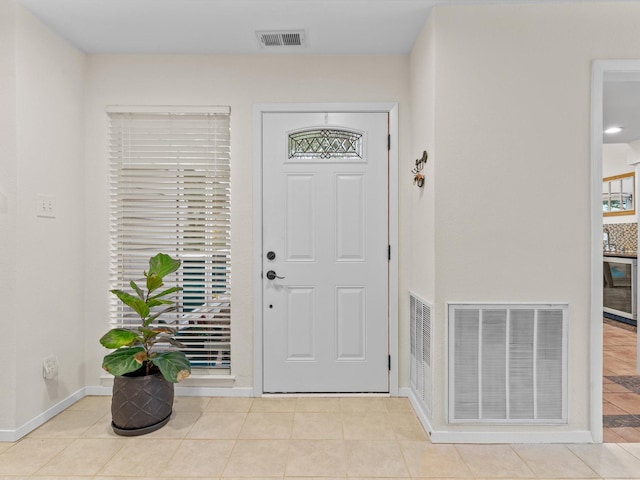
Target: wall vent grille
x: 420, y: 376
x: 507, y: 363
x: 281, y: 39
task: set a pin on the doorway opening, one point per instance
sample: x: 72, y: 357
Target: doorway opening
x: 615, y: 160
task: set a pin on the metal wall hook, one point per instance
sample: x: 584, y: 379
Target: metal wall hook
x: 418, y: 178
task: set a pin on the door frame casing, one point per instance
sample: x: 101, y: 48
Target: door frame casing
x: 258, y: 111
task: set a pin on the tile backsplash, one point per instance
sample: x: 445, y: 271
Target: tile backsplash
x: 623, y: 235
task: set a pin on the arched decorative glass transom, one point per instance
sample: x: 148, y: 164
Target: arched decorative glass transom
x: 325, y: 143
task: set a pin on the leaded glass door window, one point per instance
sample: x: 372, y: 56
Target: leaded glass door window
x: 325, y: 143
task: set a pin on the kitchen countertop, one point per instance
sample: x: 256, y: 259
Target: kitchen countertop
x: 621, y: 254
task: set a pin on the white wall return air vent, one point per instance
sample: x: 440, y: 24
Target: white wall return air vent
x: 508, y: 363
x: 290, y: 38
x: 420, y: 370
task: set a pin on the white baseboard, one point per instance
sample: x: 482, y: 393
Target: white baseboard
x: 213, y: 392
x: 31, y: 425
x: 222, y: 382
x: 180, y: 391
x: 404, y: 391
x: 99, y: 390
x: 448, y: 436
x: 511, y: 437
x: 437, y: 436
x: 420, y: 410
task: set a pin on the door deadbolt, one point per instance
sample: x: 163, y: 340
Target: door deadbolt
x: 271, y: 275
x: 271, y: 255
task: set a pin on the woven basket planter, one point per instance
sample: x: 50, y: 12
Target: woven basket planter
x: 140, y: 404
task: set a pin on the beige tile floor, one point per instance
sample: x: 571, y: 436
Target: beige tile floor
x: 293, y: 438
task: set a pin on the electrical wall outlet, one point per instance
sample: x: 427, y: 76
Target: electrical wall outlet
x: 50, y: 367
x: 46, y: 206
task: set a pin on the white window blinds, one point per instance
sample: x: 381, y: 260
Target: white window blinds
x: 170, y: 193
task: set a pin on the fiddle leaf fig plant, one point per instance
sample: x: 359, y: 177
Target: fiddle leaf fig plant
x: 135, y: 347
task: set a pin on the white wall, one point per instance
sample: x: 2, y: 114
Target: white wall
x: 419, y: 234
x: 615, y: 159
x: 217, y: 80
x: 634, y: 152
x: 49, y: 158
x: 421, y: 241
x: 7, y: 215
x: 512, y: 118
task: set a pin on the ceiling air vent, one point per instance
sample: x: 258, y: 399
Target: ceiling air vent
x: 281, y: 39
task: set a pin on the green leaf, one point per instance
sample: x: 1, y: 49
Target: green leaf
x: 166, y: 292
x: 119, y: 337
x: 156, y: 303
x: 123, y: 360
x: 137, y: 304
x: 138, y: 290
x: 174, y: 365
x: 162, y: 265
x: 154, y: 282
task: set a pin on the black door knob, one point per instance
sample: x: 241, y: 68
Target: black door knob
x: 271, y: 275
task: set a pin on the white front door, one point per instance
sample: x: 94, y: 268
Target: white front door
x: 325, y: 252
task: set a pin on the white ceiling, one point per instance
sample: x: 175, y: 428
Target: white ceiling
x: 622, y: 106
x: 228, y: 27
x: 333, y: 27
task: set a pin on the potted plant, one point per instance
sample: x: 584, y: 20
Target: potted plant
x: 144, y: 373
